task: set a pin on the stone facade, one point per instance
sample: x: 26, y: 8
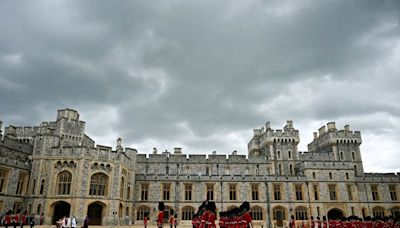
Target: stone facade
x: 56, y: 169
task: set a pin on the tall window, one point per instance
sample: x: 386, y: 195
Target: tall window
x: 256, y: 213
x: 313, y: 175
x: 166, y: 191
x: 350, y: 192
x: 332, y: 192
x: 41, y: 187
x: 39, y: 209
x: 210, y: 191
x: 378, y: 212
x: 33, y: 187
x: 145, y: 192
x: 393, y: 192
x: 277, y: 192
x: 290, y: 154
x: 141, y: 212
x: 316, y: 192
x: 98, y: 184
x: 3, y: 179
x: 254, y: 191
x: 395, y: 211
x: 121, y: 189
x: 291, y: 169
x: 128, y: 193
x: 301, y: 213
x: 330, y: 176
x: 188, y: 191
x: 280, y: 169
x: 232, y: 192
x: 347, y: 176
x: 21, y: 183
x: 299, y: 192
x: 64, y: 183
x: 353, y: 155
x: 187, y: 213
x: 374, y: 190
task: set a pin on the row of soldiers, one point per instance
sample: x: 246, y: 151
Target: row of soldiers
x: 235, y: 218
x: 351, y: 222
x: 17, y: 219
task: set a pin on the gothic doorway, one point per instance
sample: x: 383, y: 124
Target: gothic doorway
x: 61, y: 209
x: 95, y: 211
x: 335, y: 214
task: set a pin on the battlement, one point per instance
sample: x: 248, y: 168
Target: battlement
x: 67, y: 114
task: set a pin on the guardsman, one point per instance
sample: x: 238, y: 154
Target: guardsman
x: 160, y: 216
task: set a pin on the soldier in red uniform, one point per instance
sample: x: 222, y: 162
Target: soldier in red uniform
x: 209, y: 216
x: 145, y: 220
x: 292, y: 223
x: 160, y: 216
x: 8, y: 219
x: 196, y: 221
x: 246, y: 218
x: 311, y: 222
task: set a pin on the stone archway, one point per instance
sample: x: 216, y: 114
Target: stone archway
x: 335, y: 213
x: 95, y: 213
x: 60, y: 209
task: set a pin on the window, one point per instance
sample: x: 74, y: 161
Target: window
x: 17, y: 206
x: 257, y: 170
x: 188, y: 191
x: 167, y: 170
x: 279, y: 213
x: 64, y: 183
x: 141, y: 212
x: 353, y: 155
x: 232, y: 192
x: 254, y: 191
x: 33, y: 187
x: 207, y: 171
x: 145, y: 192
x: 166, y: 191
x: 313, y: 175
x: 277, y: 192
x: 187, y: 213
x: 290, y: 154
x: 299, y: 192
x: 316, y: 192
x: 98, y: 184
x: 318, y: 211
x: 21, y: 183
x: 210, y: 191
x: 291, y: 169
x: 121, y: 189
x: 347, y: 176
x: 39, y: 209
x: 395, y: 211
x: 279, y: 154
x: 41, y: 187
x: 378, y: 212
x: 332, y: 192
x: 301, y: 213
x: 350, y: 192
x: 393, y: 192
x: 280, y: 169
x: 341, y: 155
x: 330, y: 176
x: 374, y: 190
x: 352, y: 211
x: 256, y: 213
x: 3, y: 179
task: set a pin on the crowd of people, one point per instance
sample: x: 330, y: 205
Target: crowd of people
x: 350, y: 222
x: 17, y: 219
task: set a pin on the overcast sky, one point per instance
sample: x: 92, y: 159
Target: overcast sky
x: 202, y: 75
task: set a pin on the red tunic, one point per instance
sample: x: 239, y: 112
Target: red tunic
x: 160, y: 218
x: 247, y: 219
x: 8, y: 219
x: 145, y: 221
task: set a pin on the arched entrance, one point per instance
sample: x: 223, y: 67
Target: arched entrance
x: 61, y: 209
x: 95, y: 212
x: 335, y: 214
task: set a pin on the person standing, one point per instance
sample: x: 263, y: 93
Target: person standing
x: 73, y: 222
x: 175, y: 220
x: 160, y: 216
x: 7, y: 220
x: 86, y: 222
x: 171, y: 221
x: 32, y: 220
x: 292, y: 223
x: 145, y: 220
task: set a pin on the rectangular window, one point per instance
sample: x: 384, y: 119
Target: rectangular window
x: 350, y: 192
x: 277, y: 192
x: 393, y: 192
x: 316, y: 192
x: 145, y: 192
x: 318, y: 212
x: 299, y: 192
x: 3, y: 180
x: 210, y: 191
x: 166, y: 191
x: 21, y: 184
x: 332, y: 192
x: 352, y: 211
x: 254, y: 191
x: 188, y: 191
x: 232, y: 192
x: 374, y: 190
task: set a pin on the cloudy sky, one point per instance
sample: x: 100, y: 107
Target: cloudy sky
x: 202, y: 75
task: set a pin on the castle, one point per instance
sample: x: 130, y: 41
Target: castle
x: 56, y: 169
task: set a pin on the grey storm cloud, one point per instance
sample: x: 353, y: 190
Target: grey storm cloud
x: 202, y: 74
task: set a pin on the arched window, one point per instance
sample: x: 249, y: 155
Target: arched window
x: 64, y: 183
x: 301, y: 213
x: 330, y: 175
x: 39, y: 209
x: 291, y: 169
x: 141, y: 212
x: 353, y: 155
x: 395, y: 211
x: 33, y: 186
x: 98, y: 184
x: 128, y: 193
x: 378, y: 212
x: 341, y: 155
x: 187, y: 213
x: 347, y: 176
x: 256, y: 213
x: 313, y: 175
x: 355, y: 170
x: 41, y: 187
x: 121, y: 188
x: 290, y: 154
x: 279, y: 213
x: 279, y: 154
x: 280, y: 169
